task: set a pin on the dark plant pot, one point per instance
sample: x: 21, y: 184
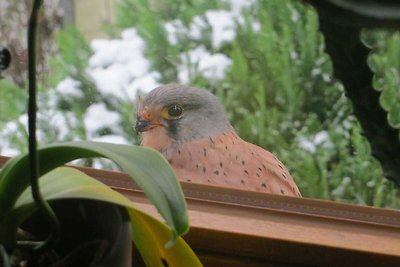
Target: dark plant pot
x: 94, y: 233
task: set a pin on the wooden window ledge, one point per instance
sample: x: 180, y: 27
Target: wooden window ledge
x: 239, y: 228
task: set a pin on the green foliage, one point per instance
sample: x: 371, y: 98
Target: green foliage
x: 158, y: 243
x: 72, y: 61
x: 159, y: 183
x: 386, y: 64
x: 12, y: 101
x: 146, y: 166
x: 133, y: 12
x: 279, y: 93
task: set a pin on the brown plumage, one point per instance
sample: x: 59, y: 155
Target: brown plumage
x: 189, y: 127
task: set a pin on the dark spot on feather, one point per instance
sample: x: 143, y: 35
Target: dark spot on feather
x: 225, y: 174
x: 173, y: 128
x: 233, y: 142
x: 236, y: 157
x: 164, y: 262
x: 259, y: 169
x: 263, y: 166
x: 258, y: 175
x: 212, y: 141
x: 205, y: 152
x: 197, y: 166
x: 204, y: 169
x: 243, y: 162
x: 242, y: 181
x: 282, y: 192
x: 280, y: 166
x: 264, y: 185
x: 208, y: 180
x: 220, y: 164
x: 216, y: 172
x: 246, y: 172
x: 179, y: 151
x: 188, y: 180
x: 284, y: 175
x: 226, y: 147
x: 222, y: 141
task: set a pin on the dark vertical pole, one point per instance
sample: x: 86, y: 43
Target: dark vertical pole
x: 42, y: 205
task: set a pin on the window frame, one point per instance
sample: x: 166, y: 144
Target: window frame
x: 232, y: 227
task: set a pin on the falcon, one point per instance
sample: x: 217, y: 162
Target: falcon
x: 189, y: 127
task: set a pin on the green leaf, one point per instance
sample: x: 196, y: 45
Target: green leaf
x: 149, y: 235
x: 146, y: 166
x: 143, y: 226
x: 12, y: 101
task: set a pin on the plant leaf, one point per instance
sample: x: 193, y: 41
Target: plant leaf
x: 146, y: 166
x: 149, y: 235
x: 143, y: 226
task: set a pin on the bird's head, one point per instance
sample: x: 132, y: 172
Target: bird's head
x: 177, y: 113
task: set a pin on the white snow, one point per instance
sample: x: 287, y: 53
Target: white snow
x: 120, y: 69
x: 117, y: 64
x: 196, y: 28
x: 174, y: 29
x: 199, y: 60
x: 214, y: 66
x: 310, y: 144
x: 295, y: 15
x: 112, y: 80
x: 307, y: 145
x: 256, y: 26
x: 6, y: 150
x: 132, y: 35
x: 69, y: 87
x: 13, y: 129
x: 144, y: 84
x: 124, y: 50
x: 223, y: 26
x: 321, y: 137
x: 60, y: 121
x: 238, y: 5
x: 97, y: 117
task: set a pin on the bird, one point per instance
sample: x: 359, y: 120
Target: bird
x: 189, y: 127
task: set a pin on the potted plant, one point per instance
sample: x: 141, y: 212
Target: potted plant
x: 67, y: 218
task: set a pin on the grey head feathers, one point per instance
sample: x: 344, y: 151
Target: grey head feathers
x: 203, y: 114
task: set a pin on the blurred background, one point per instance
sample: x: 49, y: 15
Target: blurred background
x: 265, y: 60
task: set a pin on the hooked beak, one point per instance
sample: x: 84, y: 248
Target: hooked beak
x: 142, y: 125
x: 145, y: 121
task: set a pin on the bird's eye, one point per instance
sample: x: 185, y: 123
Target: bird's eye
x: 175, y: 111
